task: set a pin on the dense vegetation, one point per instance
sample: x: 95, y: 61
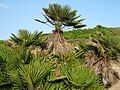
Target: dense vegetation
x: 21, y: 69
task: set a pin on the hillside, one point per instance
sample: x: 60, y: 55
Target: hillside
x: 77, y: 34
x: 92, y: 63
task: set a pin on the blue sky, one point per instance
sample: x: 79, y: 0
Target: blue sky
x: 19, y: 14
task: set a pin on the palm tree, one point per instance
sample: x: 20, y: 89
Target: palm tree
x: 29, y: 43
x: 31, y: 76
x: 26, y: 38
x: 102, y: 50
x: 59, y: 17
x: 70, y: 73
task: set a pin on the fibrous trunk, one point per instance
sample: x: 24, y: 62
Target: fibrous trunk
x: 103, y: 68
x: 57, y: 44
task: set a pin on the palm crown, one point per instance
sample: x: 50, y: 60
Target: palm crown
x: 26, y: 38
x: 61, y: 16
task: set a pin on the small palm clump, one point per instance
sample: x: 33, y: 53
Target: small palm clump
x: 60, y: 17
x: 70, y: 73
x: 26, y: 38
x: 30, y: 43
x: 102, y: 50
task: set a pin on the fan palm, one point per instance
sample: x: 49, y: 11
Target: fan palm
x: 31, y: 76
x: 28, y: 41
x: 103, y: 49
x: 26, y: 38
x: 72, y: 74
x: 60, y: 17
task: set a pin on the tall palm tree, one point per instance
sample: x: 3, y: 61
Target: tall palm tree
x: 59, y: 17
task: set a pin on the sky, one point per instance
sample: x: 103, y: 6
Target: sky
x: 20, y: 14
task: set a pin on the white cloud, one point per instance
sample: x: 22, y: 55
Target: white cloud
x: 3, y: 5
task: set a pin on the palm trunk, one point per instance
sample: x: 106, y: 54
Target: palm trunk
x: 102, y: 67
x: 57, y: 44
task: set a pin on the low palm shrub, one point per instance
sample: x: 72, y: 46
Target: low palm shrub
x: 72, y: 74
x: 100, y: 50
